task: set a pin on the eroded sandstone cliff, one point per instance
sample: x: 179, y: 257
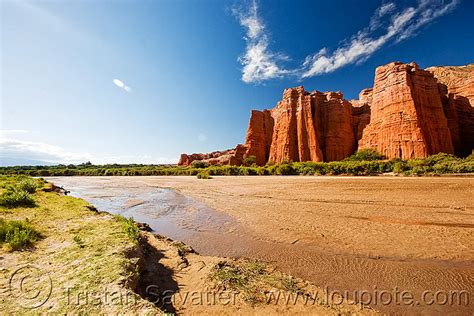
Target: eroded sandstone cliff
x: 410, y: 112
x: 456, y: 87
x: 407, y: 118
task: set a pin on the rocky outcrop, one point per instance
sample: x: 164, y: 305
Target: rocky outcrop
x: 409, y: 113
x: 231, y: 157
x: 407, y: 117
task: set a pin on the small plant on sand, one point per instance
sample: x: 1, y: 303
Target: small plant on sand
x: 17, y: 234
x: 14, y: 196
x: 129, y: 226
x: 203, y: 175
x: 290, y: 284
x: 229, y: 276
x: 78, y: 240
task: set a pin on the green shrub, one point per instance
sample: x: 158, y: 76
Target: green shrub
x: 13, y: 196
x: 285, y: 169
x: 17, y: 234
x: 366, y: 155
x: 199, y: 164
x: 440, y: 157
x: 250, y: 161
x: 204, y: 175
x: 29, y: 185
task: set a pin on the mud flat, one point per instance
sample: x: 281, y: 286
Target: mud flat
x: 403, y: 245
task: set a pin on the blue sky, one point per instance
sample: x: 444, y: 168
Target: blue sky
x: 143, y: 81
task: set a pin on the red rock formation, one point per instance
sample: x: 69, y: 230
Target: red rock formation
x: 456, y: 87
x: 407, y: 117
x: 334, y: 123
x: 408, y: 113
x: 294, y: 134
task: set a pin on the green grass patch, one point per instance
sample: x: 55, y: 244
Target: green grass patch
x: 82, y: 250
x: 129, y: 226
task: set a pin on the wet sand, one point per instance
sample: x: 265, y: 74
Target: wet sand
x: 344, y: 233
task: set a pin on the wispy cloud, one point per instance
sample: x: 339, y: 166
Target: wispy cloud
x: 259, y: 63
x: 119, y: 83
x: 387, y: 25
x: 402, y: 25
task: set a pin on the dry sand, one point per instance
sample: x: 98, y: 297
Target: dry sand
x: 345, y: 233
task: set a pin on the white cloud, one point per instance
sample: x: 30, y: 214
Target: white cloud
x: 387, y: 25
x: 258, y: 62
x: 386, y: 8
x: 13, y: 148
x: 377, y: 19
x: 202, y: 137
x: 119, y: 83
x: 402, y: 25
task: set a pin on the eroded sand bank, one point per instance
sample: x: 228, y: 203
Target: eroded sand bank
x: 344, y: 233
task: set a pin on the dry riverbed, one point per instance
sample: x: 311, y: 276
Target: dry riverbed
x: 408, y: 236
x: 90, y: 262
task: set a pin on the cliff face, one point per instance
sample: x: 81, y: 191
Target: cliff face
x: 410, y: 112
x: 456, y: 87
x: 361, y: 112
x: 294, y: 135
x: 259, y: 135
x: 312, y: 126
x: 407, y: 117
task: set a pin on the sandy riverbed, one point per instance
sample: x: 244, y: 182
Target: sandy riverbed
x: 346, y: 233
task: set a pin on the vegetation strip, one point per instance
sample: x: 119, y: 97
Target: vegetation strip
x: 362, y: 163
